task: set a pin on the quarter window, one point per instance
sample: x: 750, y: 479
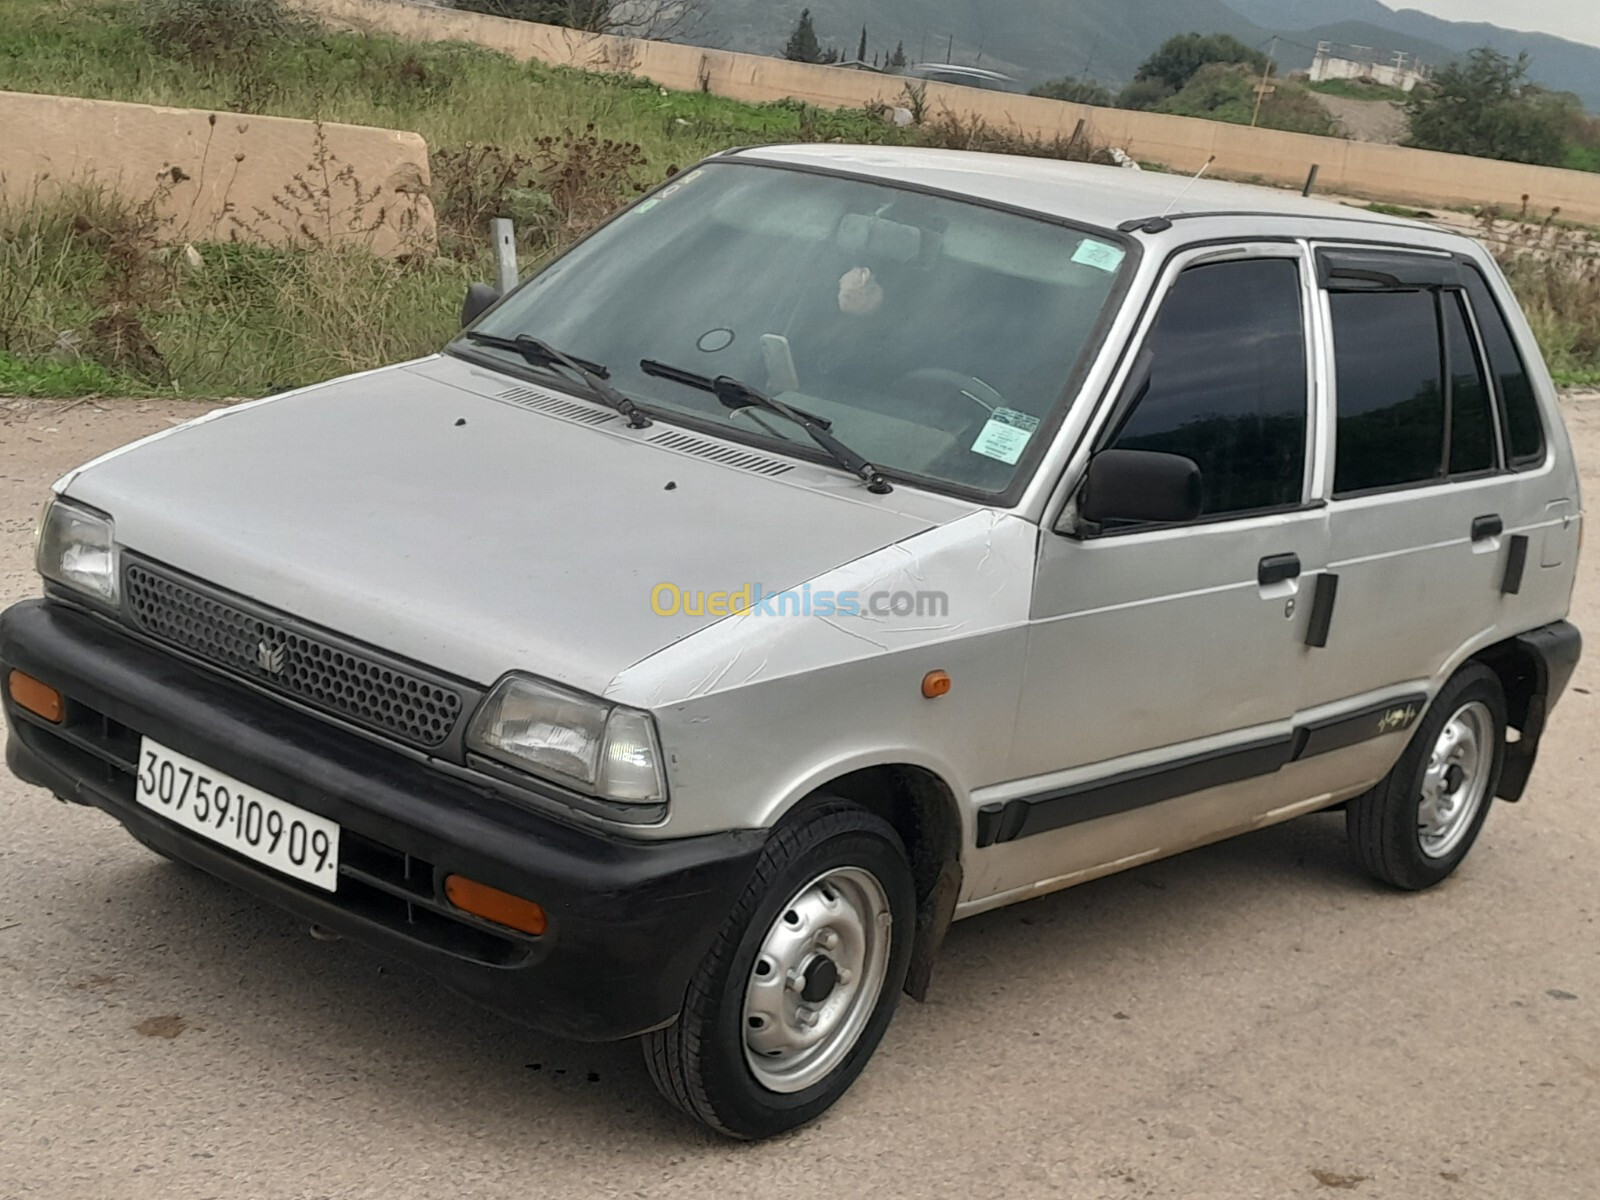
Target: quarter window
x: 1227, y: 384
x: 1524, y: 431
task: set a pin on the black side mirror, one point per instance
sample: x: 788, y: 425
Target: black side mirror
x: 480, y: 299
x: 1142, y: 486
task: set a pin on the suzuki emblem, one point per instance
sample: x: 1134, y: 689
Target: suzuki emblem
x: 271, y: 658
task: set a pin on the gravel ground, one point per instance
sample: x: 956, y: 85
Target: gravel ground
x: 1250, y: 1020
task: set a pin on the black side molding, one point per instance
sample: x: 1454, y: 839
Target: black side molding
x: 1047, y: 811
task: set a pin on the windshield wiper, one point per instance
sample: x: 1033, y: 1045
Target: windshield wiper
x: 735, y: 395
x: 543, y: 354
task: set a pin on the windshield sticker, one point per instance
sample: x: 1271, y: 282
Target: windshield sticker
x: 1102, y: 256
x: 1006, y: 435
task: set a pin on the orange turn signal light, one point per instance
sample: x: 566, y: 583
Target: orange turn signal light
x: 936, y: 684
x: 40, y: 699
x: 492, y: 904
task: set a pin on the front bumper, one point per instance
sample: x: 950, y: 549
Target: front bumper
x: 629, y: 920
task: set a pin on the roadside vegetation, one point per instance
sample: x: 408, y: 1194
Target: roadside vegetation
x: 94, y: 298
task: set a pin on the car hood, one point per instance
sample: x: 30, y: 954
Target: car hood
x: 451, y: 515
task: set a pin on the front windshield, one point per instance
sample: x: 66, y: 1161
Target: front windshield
x: 936, y: 337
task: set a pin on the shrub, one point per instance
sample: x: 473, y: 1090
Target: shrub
x: 1075, y: 91
x: 1181, y: 58
x: 1223, y: 92
x: 218, y: 31
x: 1555, y: 271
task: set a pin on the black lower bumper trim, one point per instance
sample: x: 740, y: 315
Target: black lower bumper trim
x: 629, y: 919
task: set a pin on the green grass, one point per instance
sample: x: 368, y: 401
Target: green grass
x: 56, y: 378
x: 451, y: 94
x: 1352, y: 89
x: 249, y: 320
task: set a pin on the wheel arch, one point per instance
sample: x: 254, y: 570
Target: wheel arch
x: 1533, y: 669
x: 923, y: 809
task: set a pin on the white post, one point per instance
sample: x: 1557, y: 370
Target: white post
x: 505, y: 254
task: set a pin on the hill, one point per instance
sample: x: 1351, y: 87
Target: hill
x: 1108, y: 39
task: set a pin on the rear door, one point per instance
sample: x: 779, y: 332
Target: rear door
x: 1443, y: 502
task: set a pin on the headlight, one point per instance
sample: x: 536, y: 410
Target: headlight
x: 578, y: 740
x: 77, y: 548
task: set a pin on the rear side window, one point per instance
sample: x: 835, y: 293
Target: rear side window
x: 1524, y: 430
x: 1228, y: 385
x: 1390, y: 367
x: 1414, y: 402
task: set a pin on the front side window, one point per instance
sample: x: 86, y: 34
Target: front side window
x: 936, y: 337
x: 1224, y: 382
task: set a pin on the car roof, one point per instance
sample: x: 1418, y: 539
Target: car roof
x: 1082, y: 192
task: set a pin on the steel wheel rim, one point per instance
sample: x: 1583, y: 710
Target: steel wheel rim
x: 816, y: 979
x: 1455, y: 783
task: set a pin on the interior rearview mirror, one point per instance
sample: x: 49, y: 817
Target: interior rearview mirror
x: 1140, y: 485
x: 480, y: 299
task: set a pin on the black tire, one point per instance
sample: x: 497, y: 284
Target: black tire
x: 1383, y: 824
x: 698, y: 1063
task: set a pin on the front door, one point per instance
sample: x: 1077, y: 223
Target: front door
x: 1165, y: 663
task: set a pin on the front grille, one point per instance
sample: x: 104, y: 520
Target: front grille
x: 317, y: 668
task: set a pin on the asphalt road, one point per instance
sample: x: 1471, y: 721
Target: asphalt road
x: 1251, y: 1020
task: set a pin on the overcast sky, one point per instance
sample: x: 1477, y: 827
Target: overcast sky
x: 1575, y: 19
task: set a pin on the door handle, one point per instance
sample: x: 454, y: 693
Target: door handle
x: 1487, y: 527
x: 1277, y: 568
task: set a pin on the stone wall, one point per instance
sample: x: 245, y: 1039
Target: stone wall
x: 224, y: 176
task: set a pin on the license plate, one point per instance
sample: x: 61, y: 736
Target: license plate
x: 245, y: 819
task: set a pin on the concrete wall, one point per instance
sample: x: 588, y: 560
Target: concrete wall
x: 223, y: 176
x: 1358, y: 169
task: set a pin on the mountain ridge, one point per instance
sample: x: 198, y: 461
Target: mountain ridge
x: 1035, y: 40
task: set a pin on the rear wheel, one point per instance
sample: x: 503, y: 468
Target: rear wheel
x: 798, y: 989
x: 1415, y: 827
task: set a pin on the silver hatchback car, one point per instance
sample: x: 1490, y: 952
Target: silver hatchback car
x: 839, y: 543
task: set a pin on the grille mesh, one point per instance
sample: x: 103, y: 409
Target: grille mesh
x: 293, y: 660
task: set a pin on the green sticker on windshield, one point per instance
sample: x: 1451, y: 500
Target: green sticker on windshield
x: 1102, y: 256
x: 1006, y: 435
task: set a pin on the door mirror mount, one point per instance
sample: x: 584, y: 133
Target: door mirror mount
x: 1140, y: 486
x: 481, y: 297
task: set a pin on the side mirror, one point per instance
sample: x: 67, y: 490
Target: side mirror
x: 1140, y: 485
x: 480, y: 299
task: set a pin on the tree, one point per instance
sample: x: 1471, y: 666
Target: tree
x: 803, y: 45
x: 861, y: 54
x: 1181, y: 57
x: 1486, y: 107
x: 628, y: 18
x: 1076, y: 91
x: 1143, y: 94
x: 897, y: 60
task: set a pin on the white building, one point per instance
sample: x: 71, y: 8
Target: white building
x: 1395, y: 69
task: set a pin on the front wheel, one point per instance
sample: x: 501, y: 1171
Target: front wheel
x: 1415, y: 827
x: 800, y: 986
